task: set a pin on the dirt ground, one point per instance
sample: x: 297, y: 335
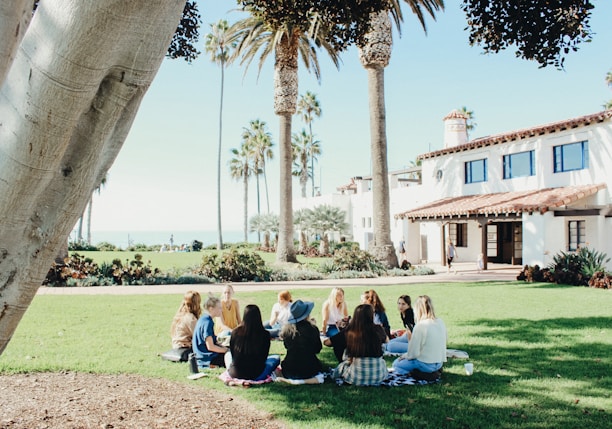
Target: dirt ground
x: 83, y: 401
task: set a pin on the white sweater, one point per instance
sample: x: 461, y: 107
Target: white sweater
x: 428, y: 342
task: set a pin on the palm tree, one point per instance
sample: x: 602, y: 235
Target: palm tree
x: 241, y: 168
x: 325, y: 219
x: 470, y: 124
x: 261, y: 144
x: 287, y: 42
x: 264, y: 223
x: 219, y: 43
x: 309, y: 108
x: 302, y: 220
x: 375, y: 54
x: 304, y: 149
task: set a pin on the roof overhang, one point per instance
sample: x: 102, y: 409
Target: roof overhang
x: 501, y: 204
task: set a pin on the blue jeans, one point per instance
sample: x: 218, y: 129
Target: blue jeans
x: 404, y: 366
x: 274, y: 330
x: 397, y: 345
x: 271, y: 363
x: 331, y: 330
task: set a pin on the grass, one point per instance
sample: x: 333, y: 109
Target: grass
x: 175, y: 260
x: 541, y: 353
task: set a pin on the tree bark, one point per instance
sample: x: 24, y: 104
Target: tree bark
x: 15, y: 16
x: 67, y: 103
x: 374, y: 56
x: 285, y: 102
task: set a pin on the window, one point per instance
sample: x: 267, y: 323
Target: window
x: 520, y: 164
x: 576, y: 234
x: 457, y: 232
x: 476, y: 171
x: 573, y: 156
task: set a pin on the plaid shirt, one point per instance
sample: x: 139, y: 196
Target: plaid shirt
x: 362, y: 371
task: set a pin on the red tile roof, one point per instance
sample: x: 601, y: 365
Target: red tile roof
x: 503, y: 203
x: 523, y: 134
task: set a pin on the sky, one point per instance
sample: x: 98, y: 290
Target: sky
x: 164, y: 178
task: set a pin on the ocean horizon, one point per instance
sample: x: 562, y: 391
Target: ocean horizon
x: 124, y: 239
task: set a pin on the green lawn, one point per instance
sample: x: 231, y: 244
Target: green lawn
x: 542, y: 356
x: 179, y: 260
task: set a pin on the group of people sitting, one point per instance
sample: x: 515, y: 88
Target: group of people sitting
x: 359, y: 341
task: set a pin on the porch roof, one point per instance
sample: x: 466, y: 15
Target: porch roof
x: 503, y: 203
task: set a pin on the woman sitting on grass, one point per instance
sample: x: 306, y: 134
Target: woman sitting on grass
x: 380, y: 317
x: 363, y: 364
x: 230, y: 312
x: 303, y: 342
x: 205, y: 348
x: 280, y: 314
x: 185, y: 320
x: 249, y: 347
x: 334, y: 310
x: 401, y: 337
x: 427, y: 347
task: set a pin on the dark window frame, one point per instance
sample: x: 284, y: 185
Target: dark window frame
x: 469, y: 173
x: 559, y: 157
x: 508, y: 162
x: 576, y: 234
x: 458, y: 234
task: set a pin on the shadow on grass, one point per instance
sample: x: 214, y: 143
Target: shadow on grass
x: 528, y: 374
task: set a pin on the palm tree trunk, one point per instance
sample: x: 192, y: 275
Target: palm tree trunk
x: 285, y: 251
x: 382, y: 249
x: 258, y: 204
x: 266, y: 185
x: 245, y: 180
x: 89, y: 210
x: 311, y: 159
x: 374, y: 56
x: 80, y: 229
x: 219, y: 229
x: 285, y: 103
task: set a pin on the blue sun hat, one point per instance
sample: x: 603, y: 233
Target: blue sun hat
x: 300, y: 310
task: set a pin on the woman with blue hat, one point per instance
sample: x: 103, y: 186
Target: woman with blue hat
x: 302, y: 341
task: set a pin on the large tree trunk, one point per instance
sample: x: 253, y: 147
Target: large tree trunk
x: 285, y: 102
x: 15, y: 16
x: 375, y: 57
x: 89, y: 211
x: 67, y: 104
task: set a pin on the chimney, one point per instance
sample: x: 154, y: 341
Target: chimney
x: 455, y: 129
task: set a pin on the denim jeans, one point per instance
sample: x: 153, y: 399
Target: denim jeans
x: 274, y: 330
x: 404, y: 366
x: 271, y: 363
x: 397, y: 345
x: 331, y: 330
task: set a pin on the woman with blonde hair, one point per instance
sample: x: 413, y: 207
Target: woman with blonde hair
x: 334, y: 310
x: 427, y: 346
x: 230, y: 312
x: 185, y: 320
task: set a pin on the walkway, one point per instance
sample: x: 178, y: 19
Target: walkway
x: 465, y: 272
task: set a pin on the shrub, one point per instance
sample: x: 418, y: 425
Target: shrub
x: 601, y: 280
x: 592, y: 261
x: 235, y: 265
x: 284, y: 274
x: 535, y: 274
x: 81, y: 245
x: 139, y: 247
x: 355, y: 259
x: 75, y: 267
x: 567, y: 269
x: 105, y: 246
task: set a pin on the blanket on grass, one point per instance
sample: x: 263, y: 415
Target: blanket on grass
x: 229, y: 381
x: 394, y: 379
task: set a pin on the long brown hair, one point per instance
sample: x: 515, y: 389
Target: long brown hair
x: 192, y: 303
x: 374, y: 300
x: 363, y: 337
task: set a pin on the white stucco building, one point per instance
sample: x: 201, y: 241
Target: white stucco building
x: 519, y: 197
